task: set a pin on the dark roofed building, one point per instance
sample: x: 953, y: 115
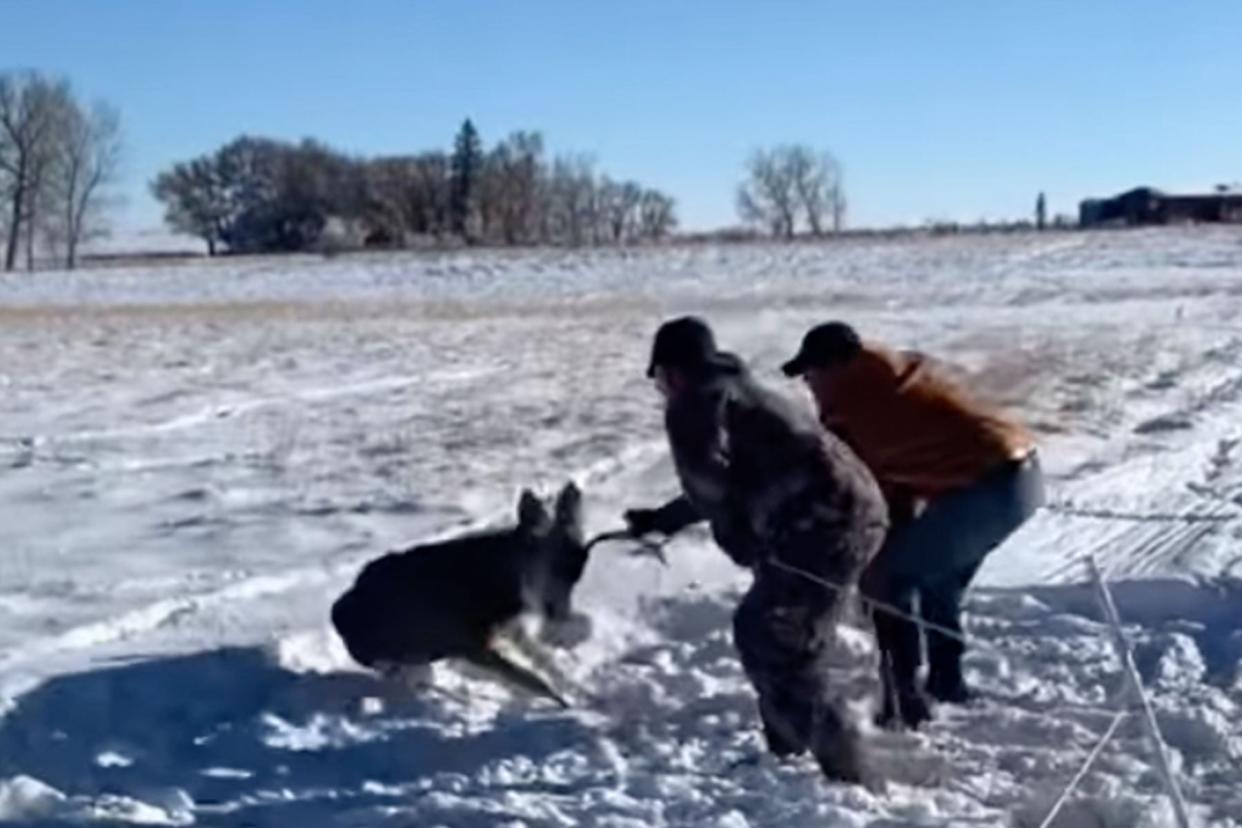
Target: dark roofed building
x: 1144, y: 205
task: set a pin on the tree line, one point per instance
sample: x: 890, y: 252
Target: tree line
x: 264, y: 195
x: 58, y: 157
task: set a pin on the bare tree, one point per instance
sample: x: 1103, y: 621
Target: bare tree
x: 388, y: 210
x: 45, y: 162
x: 31, y: 107
x: 611, y: 212
x: 55, y: 162
x: 817, y: 179
x: 631, y: 207
x: 657, y: 216
x: 407, y: 196
x: 769, y: 196
x: 791, y: 184
x: 829, y: 191
x: 34, y: 213
x: 838, y: 204
x: 805, y: 176
x: 488, y: 198
x: 88, y: 160
x: 513, y: 187
x: 596, y: 218
x: 508, y: 188
x: 431, y: 193
x: 619, y: 206
x: 519, y: 166
x: 571, y: 205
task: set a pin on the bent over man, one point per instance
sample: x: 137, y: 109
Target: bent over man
x: 959, y: 477
x: 776, y: 490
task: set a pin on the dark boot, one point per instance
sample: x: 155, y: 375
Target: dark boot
x: 899, y: 660
x: 950, y: 690
x: 944, y: 652
x: 784, y: 737
x: 908, y: 708
x: 838, y: 750
x: 944, y: 677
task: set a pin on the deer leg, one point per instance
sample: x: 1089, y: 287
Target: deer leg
x: 516, y: 674
x: 516, y: 637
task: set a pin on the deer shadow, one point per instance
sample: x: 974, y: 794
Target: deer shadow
x: 258, y: 744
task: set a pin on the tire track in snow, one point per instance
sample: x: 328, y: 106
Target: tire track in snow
x: 1142, y: 515
x: 227, y: 411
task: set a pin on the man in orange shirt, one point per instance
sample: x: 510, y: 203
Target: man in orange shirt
x: 959, y: 477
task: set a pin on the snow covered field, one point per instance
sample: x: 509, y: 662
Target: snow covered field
x: 195, y: 461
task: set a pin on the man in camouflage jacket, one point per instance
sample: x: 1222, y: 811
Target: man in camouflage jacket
x: 775, y: 489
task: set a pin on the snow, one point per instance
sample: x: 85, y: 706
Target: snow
x: 195, y: 461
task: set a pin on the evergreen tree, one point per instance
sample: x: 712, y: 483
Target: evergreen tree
x: 466, y: 167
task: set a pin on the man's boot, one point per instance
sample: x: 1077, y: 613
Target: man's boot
x: 838, y: 749
x: 944, y: 676
x: 903, y: 705
x: 784, y: 738
x: 899, y: 653
x: 944, y: 653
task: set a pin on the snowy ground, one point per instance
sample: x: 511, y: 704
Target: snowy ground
x: 195, y: 461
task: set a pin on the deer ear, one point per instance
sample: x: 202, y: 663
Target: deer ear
x: 531, y: 513
x: 569, y: 505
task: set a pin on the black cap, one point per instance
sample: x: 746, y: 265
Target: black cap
x: 826, y: 344
x: 687, y: 343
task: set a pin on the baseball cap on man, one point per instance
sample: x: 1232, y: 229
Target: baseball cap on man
x: 687, y: 343
x: 826, y: 344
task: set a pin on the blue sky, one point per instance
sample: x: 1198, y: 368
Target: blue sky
x: 937, y: 109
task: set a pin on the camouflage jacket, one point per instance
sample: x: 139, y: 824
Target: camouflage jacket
x: 745, y: 455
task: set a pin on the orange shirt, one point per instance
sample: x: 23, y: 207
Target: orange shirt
x: 918, y: 432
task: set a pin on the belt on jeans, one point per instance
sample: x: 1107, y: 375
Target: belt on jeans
x: 1027, y: 456
x: 1017, y: 461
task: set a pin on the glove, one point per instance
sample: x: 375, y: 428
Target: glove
x: 641, y: 522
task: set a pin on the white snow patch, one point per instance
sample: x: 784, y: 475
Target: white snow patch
x: 24, y: 798
x: 234, y: 449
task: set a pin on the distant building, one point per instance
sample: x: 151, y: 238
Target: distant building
x: 1144, y: 205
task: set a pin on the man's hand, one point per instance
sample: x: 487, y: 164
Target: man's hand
x: 669, y: 519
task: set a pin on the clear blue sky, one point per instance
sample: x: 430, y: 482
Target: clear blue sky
x: 937, y: 108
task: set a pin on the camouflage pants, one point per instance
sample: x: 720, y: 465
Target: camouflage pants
x: 781, y: 628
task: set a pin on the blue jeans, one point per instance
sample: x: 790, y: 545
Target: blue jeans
x: 933, y: 558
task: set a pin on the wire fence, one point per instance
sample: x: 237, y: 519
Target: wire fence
x: 1138, y: 706
x: 1142, y: 517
